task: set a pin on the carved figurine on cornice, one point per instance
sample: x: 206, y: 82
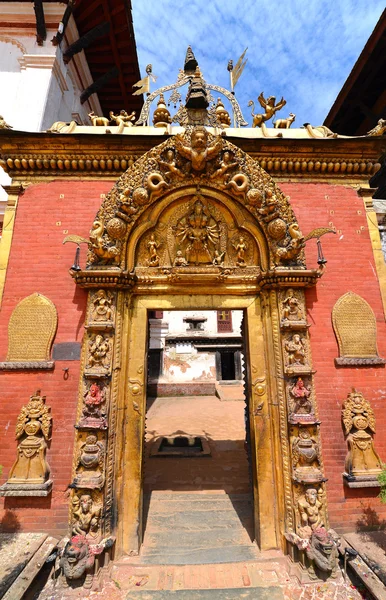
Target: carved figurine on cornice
x: 90, y: 464
x: 285, y: 123
x: 170, y: 166
x: 98, y: 121
x: 4, y: 124
x: 269, y: 106
x: 292, y: 249
x: 102, y: 307
x: 378, y: 130
x: 362, y: 461
x: 31, y: 470
x: 319, y: 132
x: 306, y: 457
x: 93, y: 416
x: 86, y: 516
x: 123, y: 118
x: 107, y: 246
x: 198, y: 152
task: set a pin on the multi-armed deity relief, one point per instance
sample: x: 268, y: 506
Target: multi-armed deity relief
x: 30, y: 473
x: 362, y: 461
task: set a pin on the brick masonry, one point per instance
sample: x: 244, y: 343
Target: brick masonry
x: 39, y: 262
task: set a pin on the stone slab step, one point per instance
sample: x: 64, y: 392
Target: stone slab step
x: 212, y: 519
x: 270, y: 593
x: 197, y: 556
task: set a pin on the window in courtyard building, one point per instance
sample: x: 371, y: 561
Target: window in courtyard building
x: 224, y: 320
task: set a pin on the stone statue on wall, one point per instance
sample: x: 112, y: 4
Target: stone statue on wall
x: 32, y: 430
x: 311, y: 512
x: 362, y: 460
x: 86, y: 516
x: 292, y: 310
x: 93, y: 416
x: 99, y: 353
x: 300, y: 403
x: 102, y: 307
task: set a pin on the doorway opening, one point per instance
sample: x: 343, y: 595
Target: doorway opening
x: 198, y: 498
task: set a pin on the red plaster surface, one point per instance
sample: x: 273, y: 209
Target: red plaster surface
x: 39, y: 262
x: 350, y: 267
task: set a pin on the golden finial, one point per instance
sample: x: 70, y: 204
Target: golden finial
x: 161, y: 116
x: 222, y: 114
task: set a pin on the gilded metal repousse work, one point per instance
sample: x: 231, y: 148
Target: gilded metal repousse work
x: 356, y: 331
x: 31, y: 331
x: 29, y: 475
x: 362, y: 463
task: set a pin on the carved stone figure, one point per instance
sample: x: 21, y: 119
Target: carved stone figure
x: 323, y: 553
x: 123, y: 118
x: 198, y: 230
x: 105, y: 248
x: 90, y: 464
x: 32, y: 430
x: 180, y: 260
x: 306, y: 457
x: 241, y: 248
x: 86, y: 516
x: 291, y: 309
x: 296, y: 351
x: 93, y: 415
x: 225, y: 166
x: 99, y: 352
x: 218, y: 259
x: 362, y: 459
x: 198, y: 153
x: 170, y: 165
x: 300, y: 402
x: 311, y: 512
x: 152, y: 246
x: 269, y: 106
x: 102, y: 307
x: 77, y: 561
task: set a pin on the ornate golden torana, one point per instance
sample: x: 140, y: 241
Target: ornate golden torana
x: 356, y: 331
x: 31, y: 331
x: 29, y: 476
x: 362, y: 463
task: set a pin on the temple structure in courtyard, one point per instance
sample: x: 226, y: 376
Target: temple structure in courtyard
x: 193, y: 310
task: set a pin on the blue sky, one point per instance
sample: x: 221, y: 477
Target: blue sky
x: 302, y: 50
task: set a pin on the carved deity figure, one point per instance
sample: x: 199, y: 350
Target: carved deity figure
x: 198, y: 153
x: 90, y: 464
x: 291, y: 310
x: 198, y: 230
x: 311, y: 512
x: 86, y: 516
x: 123, y: 118
x: 218, y: 259
x: 241, y: 248
x: 78, y: 558
x: 152, y: 246
x: 102, y: 310
x: 300, y: 394
x: 105, y: 248
x: 225, y: 166
x: 180, y: 260
x: 93, y: 416
x: 359, y: 423
x: 296, y: 350
x: 170, y: 164
x: 270, y: 207
x: 305, y: 457
x: 32, y: 429
x: 99, y: 352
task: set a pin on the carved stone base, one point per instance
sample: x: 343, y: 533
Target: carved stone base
x: 360, y: 481
x: 44, y: 365
x: 26, y: 489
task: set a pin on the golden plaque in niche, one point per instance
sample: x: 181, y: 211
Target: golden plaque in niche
x: 356, y: 331
x: 31, y: 330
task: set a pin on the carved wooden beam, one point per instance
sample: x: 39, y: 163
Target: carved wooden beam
x: 98, y: 84
x: 41, y: 32
x: 85, y: 41
x: 63, y: 23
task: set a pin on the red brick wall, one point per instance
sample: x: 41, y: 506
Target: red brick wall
x: 350, y: 267
x: 39, y: 262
